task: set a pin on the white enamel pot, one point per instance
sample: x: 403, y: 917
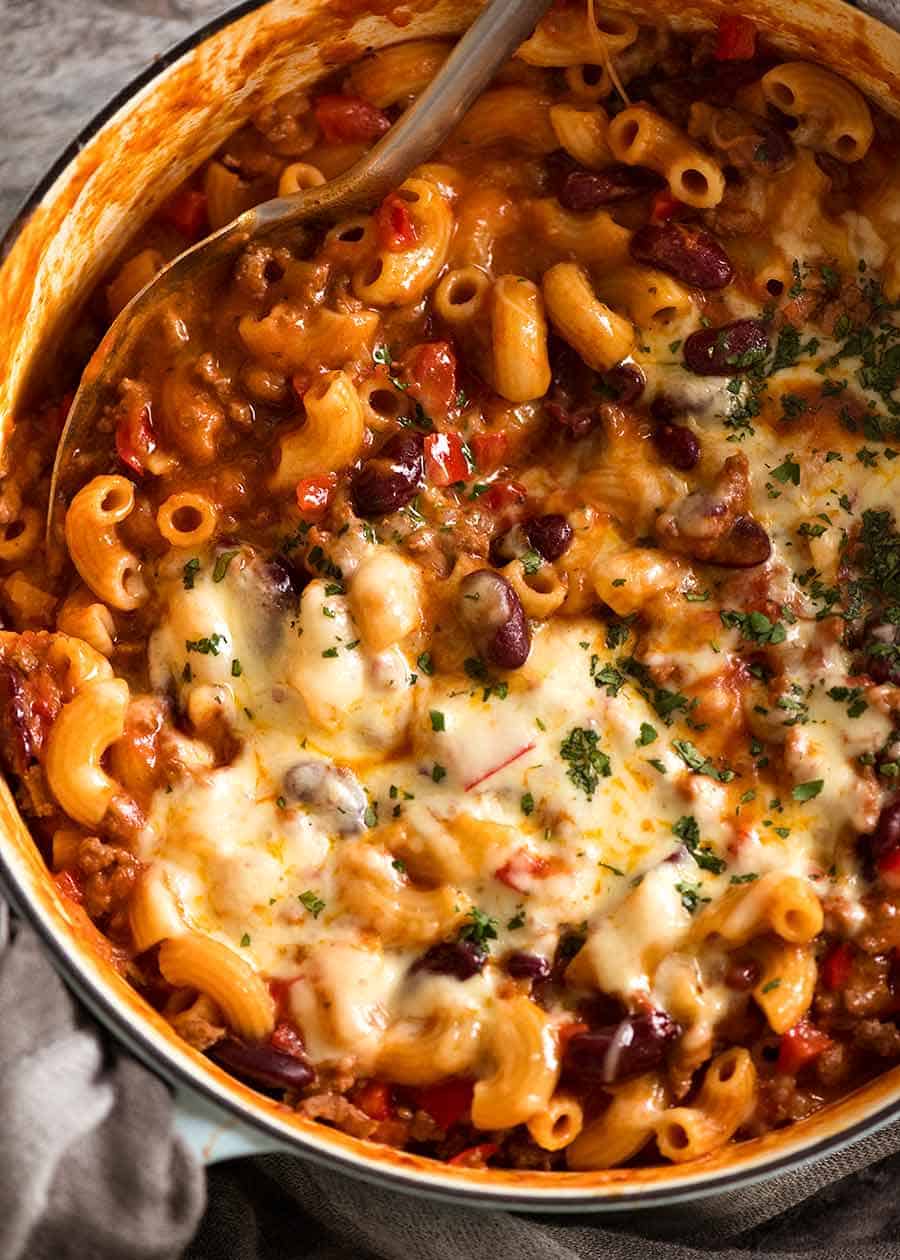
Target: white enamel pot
x: 112, y: 177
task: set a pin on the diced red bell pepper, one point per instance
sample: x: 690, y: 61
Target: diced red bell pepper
x: 186, y: 212
x: 489, y: 450
x: 522, y: 867
x: 374, y: 1098
x: 394, y: 225
x: 736, y: 39
x: 445, y: 459
x: 344, y: 119
x: 430, y: 369
x: 287, y: 1040
x: 447, y: 1102
x: 314, y: 495
x: 504, y: 494
x: 664, y: 206
x: 135, y: 439
x: 800, y: 1045
x: 67, y: 883
x: 474, y: 1156
x: 837, y: 965
x: 889, y: 869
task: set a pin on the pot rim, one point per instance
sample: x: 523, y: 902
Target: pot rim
x: 692, y: 1182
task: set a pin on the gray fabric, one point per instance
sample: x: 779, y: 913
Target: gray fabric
x: 90, y: 1167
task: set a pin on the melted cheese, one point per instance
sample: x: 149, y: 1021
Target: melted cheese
x: 257, y: 868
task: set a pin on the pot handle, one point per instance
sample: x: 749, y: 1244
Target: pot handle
x: 212, y: 1135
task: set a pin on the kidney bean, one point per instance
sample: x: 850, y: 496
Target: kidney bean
x: 587, y: 190
x: 494, y: 615
x: 881, y: 667
x: 579, y: 422
x: 392, y: 478
x: 885, y: 838
x: 550, y: 535
x: 678, y: 445
x: 728, y: 350
x: 523, y: 966
x: 742, y: 975
x: 634, y: 1045
x: 745, y: 545
x: 689, y: 254
x: 624, y: 383
x: 332, y: 790
x: 462, y: 959
x: 263, y: 1065
x: 281, y: 582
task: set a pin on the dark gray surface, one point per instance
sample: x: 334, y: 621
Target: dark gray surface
x: 61, y: 61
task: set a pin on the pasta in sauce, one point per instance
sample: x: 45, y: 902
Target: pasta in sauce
x: 469, y: 702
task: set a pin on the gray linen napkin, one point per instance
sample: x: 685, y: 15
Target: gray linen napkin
x: 90, y: 1167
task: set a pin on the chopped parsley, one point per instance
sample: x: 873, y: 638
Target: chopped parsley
x: 587, y: 762
x: 607, y: 676
x: 856, y: 706
x: 312, y: 902
x: 789, y: 471
x: 688, y: 832
x: 207, y: 646
x: 517, y: 921
x: 691, y: 898
x: 744, y: 879
x: 236, y: 668
x: 755, y: 626
x: 437, y: 720
x: 807, y: 791
x: 245, y: 941
x: 530, y: 561
x: 480, y: 929
x: 425, y: 664
x: 647, y: 736
x: 617, y: 631
x: 438, y: 772
x: 223, y: 560
x: 614, y: 869
x: 189, y: 573
x: 527, y: 804
x: 771, y: 984
x: 693, y: 758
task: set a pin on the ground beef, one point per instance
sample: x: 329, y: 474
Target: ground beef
x: 423, y: 1128
x: 110, y: 874
x: 200, y: 1025
x: 834, y: 1065
x: 868, y: 990
x: 337, y: 1110
x: 882, y: 931
x: 30, y: 696
x: 877, y: 1037
x: 258, y: 267
x: 780, y: 1101
x: 521, y: 1151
